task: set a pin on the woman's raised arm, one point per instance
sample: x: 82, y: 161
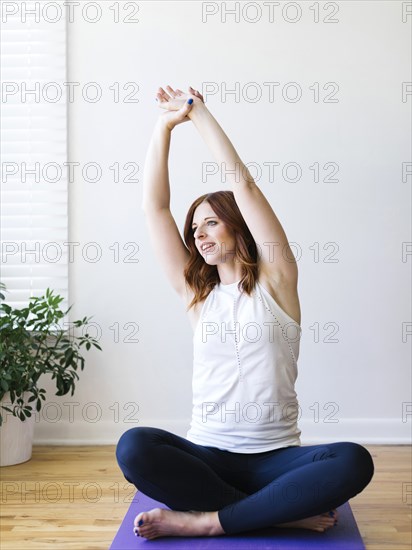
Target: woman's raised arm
x: 156, y: 188
x: 276, y: 258
x: 164, y: 234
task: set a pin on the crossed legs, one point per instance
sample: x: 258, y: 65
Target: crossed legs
x: 214, y: 492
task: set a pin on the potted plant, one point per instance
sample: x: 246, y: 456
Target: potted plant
x: 32, y: 343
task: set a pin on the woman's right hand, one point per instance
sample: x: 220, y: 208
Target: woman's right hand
x: 176, y: 105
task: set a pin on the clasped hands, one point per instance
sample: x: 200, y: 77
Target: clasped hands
x: 175, y: 102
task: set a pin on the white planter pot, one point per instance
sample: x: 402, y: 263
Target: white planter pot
x: 16, y: 437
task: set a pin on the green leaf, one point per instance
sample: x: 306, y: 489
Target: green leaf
x: 33, y: 344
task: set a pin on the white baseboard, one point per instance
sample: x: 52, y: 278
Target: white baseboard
x: 372, y: 431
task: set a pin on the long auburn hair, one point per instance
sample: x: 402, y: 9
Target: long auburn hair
x: 202, y: 277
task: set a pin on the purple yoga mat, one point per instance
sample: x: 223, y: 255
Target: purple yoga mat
x: 345, y: 536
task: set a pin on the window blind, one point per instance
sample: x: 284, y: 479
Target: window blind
x: 34, y: 193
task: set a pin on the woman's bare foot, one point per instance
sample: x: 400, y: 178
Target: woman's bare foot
x: 315, y: 523
x: 168, y: 523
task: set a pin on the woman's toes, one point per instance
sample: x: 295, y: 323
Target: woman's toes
x: 137, y: 519
x: 140, y: 520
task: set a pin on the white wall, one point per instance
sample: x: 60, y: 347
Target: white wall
x: 361, y: 221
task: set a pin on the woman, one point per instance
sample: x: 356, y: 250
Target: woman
x: 241, y: 466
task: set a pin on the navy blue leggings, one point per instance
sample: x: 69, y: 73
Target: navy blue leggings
x: 249, y: 491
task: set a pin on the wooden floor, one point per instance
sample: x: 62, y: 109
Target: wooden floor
x: 76, y: 497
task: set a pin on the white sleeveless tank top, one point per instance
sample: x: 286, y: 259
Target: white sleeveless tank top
x: 245, y: 351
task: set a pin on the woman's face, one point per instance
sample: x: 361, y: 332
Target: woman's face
x: 213, y: 239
